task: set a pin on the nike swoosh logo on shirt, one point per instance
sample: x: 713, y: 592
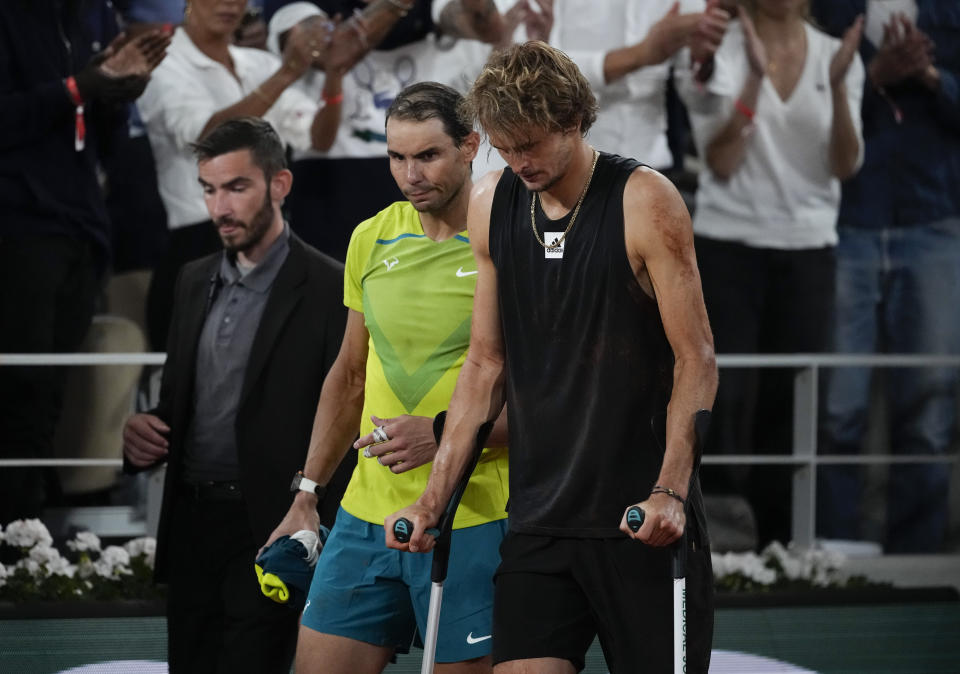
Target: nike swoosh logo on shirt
x: 470, y: 638
x: 461, y: 273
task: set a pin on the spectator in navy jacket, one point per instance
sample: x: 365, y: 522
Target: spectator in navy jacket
x: 59, y: 105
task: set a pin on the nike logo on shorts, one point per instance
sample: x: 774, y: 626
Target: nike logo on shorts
x: 472, y: 639
x: 461, y: 273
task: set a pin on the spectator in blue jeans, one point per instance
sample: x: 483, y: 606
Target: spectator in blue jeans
x: 898, y: 268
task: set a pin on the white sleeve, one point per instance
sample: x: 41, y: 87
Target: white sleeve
x: 638, y: 22
x: 292, y: 116
x: 176, y: 105
x: 689, y: 6
x: 854, y: 83
x: 293, y: 112
x: 590, y: 64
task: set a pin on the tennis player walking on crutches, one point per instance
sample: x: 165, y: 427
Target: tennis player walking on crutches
x: 588, y: 321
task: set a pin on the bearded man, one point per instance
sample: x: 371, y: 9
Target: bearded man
x: 255, y: 330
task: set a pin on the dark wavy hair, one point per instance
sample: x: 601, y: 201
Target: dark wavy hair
x: 432, y: 100
x: 245, y: 133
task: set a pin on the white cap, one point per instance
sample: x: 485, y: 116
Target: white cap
x: 286, y: 18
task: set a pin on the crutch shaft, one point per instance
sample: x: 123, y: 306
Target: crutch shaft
x: 635, y: 518
x: 433, y: 629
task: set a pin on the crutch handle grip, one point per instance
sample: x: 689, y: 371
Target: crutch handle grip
x: 635, y: 517
x: 403, y: 529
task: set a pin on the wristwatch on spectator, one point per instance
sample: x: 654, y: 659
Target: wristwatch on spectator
x: 303, y: 483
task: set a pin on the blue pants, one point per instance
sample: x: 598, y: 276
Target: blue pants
x: 898, y: 290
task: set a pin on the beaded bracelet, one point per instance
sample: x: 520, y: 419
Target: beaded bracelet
x: 658, y: 489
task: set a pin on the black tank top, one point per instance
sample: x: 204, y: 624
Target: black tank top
x: 588, y: 363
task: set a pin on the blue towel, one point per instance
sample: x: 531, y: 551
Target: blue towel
x: 285, y: 569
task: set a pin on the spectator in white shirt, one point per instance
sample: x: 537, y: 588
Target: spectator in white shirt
x: 349, y: 180
x: 778, y: 128
x: 205, y: 81
x: 626, y: 50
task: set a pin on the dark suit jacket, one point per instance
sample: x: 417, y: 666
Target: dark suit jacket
x: 46, y: 186
x: 296, y: 343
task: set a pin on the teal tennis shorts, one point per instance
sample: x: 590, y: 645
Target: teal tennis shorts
x: 366, y: 591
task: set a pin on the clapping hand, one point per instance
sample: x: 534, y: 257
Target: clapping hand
x: 307, y: 44
x: 848, y: 49
x: 137, y: 57
x: 905, y: 52
x: 671, y: 33
x: 756, y: 51
x: 709, y: 32
x: 538, y: 23
x: 120, y: 72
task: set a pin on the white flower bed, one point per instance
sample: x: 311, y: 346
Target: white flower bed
x: 89, y: 571
x: 26, y: 534
x: 85, y: 572
x: 779, y: 567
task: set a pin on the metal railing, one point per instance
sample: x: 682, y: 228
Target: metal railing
x: 803, y: 458
x: 87, y: 359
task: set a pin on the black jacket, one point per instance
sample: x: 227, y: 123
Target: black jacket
x: 46, y: 186
x: 296, y: 343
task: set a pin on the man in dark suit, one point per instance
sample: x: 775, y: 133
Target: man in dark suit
x: 254, y: 331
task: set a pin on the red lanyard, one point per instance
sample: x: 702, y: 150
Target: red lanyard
x: 80, y: 127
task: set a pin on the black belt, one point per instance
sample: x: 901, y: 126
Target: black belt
x: 213, y: 490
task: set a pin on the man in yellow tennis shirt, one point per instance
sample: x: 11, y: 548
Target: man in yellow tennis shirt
x: 409, y: 284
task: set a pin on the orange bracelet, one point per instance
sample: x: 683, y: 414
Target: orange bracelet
x: 336, y: 99
x: 743, y: 109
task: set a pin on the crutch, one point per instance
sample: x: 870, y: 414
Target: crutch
x: 635, y: 517
x: 403, y: 529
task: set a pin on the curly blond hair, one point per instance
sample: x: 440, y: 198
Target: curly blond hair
x: 531, y: 85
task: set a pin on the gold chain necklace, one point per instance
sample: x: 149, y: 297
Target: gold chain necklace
x: 576, y: 209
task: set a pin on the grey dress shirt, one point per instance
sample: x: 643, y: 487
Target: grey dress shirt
x: 222, y: 355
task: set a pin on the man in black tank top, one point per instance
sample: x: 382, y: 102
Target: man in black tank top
x: 589, y: 319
